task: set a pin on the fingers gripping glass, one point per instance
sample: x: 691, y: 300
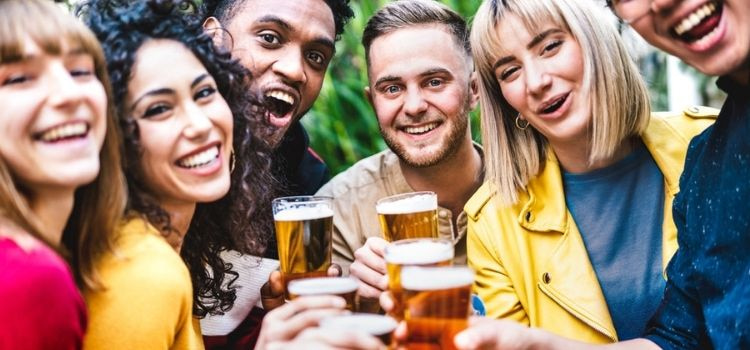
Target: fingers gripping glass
x: 630, y: 10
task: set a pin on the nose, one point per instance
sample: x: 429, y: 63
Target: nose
x: 291, y: 66
x: 414, y: 103
x: 197, y: 123
x: 538, y: 79
x: 64, y: 91
x: 661, y: 6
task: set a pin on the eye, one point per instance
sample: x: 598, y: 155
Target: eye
x: 316, y: 58
x: 186, y: 7
x: 155, y: 110
x: 551, y: 47
x: 270, y: 38
x: 434, y: 82
x: 508, y: 73
x: 392, y: 89
x: 204, y: 92
x: 81, y: 72
x: 16, y: 79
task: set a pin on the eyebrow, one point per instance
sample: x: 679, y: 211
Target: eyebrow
x: 534, y: 41
x: 167, y: 91
x: 327, y: 42
x: 429, y: 72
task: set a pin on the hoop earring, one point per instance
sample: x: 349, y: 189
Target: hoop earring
x: 521, y: 124
x: 232, y: 160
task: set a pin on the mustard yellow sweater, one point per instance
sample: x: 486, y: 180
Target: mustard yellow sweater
x: 147, y: 299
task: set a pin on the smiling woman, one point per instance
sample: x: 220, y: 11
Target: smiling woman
x: 184, y: 111
x: 58, y: 152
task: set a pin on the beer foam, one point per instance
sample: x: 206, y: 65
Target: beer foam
x: 322, y: 285
x: 419, y: 252
x: 435, y: 278
x: 303, y: 213
x: 413, y: 204
x: 369, y: 323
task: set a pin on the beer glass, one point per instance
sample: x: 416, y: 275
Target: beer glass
x: 379, y: 326
x: 436, y: 304
x: 304, y: 226
x: 413, y: 252
x: 345, y: 287
x: 408, y: 215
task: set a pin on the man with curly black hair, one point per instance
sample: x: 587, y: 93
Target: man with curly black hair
x: 287, y: 45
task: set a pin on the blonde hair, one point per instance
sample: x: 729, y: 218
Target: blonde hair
x: 99, y: 205
x: 513, y: 157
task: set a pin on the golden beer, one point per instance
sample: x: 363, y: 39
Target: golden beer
x: 379, y: 326
x: 408, y: 215
x: 414, y: 252
x: 304, y: 226
x: 436, y: 304
x: 345, y: 287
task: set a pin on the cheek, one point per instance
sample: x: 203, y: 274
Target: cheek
x: 223, y: 118
x: 514, y: 95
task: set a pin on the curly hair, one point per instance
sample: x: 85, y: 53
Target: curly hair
x: 234, y: 221
x: 225, y: 10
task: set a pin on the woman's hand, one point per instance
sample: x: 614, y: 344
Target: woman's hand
x: 286, y: 322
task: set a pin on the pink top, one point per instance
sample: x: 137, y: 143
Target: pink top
x: 41, y: 306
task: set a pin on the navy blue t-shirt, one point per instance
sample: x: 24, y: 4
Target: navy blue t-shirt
x: 619, y: 211
x: 707, y: 299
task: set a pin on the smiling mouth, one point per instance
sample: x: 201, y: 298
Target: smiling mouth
x: 279, y: 103
x: 420, y: 130
x: 554, y: 105
x: 64, y: 132
x: 700, y: 24
x: 200, y: 159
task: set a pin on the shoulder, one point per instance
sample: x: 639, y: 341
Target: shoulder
x: 365, y: 173
x: 480, y: 202
x: 684, y: 124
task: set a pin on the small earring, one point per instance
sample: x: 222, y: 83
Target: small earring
x: 232, y: 161
x: 521, y: 124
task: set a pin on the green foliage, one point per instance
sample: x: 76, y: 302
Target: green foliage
x: 342, y: 126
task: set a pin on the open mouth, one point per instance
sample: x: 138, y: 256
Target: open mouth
x: 553, y: 105
x: 420, y: 130
x: 199, y: 159
x: 700, y: 24
x: 64, y: 132
x: 280, y: 105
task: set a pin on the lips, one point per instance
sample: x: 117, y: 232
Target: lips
x: 420, y: 129
x: 199, y: 158
x: 63, y: 132
x: 553, y: 104
x: 699, y: 25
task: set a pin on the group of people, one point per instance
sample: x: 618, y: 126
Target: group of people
x: 141, y: 145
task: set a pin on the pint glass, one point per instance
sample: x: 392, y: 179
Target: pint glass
x: 345, y: 287
x: 408, y: 215
x: 436, y: 304
x: 413, y: 252
x: 304, y: 225
x: 379, y: 326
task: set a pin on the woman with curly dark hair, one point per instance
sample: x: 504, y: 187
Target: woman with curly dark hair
x: 176, y: 97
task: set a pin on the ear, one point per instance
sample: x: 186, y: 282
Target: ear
x: 368, y: 96
x: 213, y: 28
x: 474, y: 89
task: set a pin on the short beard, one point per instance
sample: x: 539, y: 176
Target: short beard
x: 451, y: 145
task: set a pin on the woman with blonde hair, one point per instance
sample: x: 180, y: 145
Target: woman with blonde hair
x: 61, y: 189
x: 573, y: 228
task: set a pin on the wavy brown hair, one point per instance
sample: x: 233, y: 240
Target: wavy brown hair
x: 98, y: 205
x: 232, y: 222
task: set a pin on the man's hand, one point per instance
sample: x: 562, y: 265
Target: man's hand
x: 369, y: 268
x: 272, y: 292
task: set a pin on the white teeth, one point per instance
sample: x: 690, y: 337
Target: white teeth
x: 281, y: 95
x: 694, y: 18
x: 64, y: 131
x: 200, y: 159
x: 420, y: 129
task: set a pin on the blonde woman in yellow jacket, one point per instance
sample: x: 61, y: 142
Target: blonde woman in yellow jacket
x: 561, y: 98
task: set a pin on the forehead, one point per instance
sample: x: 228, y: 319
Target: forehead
x: 161, y: 62
x: 411, y: 51
x: 313, y: 15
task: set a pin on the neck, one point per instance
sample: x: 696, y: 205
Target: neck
x: 742, y: 76
x: 53, y: 208
x: 454, y: 179
x: 574, y: 156
x: 180, y: 215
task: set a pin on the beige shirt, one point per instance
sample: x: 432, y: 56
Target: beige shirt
x: 355, y: 192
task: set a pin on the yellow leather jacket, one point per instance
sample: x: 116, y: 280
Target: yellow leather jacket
x: 530, y: 261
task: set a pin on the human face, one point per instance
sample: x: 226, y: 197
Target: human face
x: 287, y: 45
x: 714, y: 36
x: 53, y: 118
x: 540, y: 74
x: 422, y: 89
x: 184, y: 124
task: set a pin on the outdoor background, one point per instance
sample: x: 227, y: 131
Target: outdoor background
x: 342, y: 125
